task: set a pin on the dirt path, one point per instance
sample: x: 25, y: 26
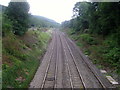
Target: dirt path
x: 65, y: 66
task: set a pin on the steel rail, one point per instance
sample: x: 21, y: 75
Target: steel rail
x: 67, y: 63
x: 47, y: 69
x: 56, y: 67
x: 80, y: 76
x: 92, y: 71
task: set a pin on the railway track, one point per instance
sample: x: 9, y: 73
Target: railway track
x: 67, y: 63
x: 51, y: 70
x: 79, y: 74
x: 65, y: 67
x: 85, y: 85
x: 102, y: 80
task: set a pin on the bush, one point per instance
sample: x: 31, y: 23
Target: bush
x: 112, y: 53
x: 88, y: 39
x: 6, y: 25
x: 113, y: 56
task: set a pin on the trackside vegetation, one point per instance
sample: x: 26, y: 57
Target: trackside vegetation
x: 22, y: 48
x: 96, y: 28
x: 21, y: 57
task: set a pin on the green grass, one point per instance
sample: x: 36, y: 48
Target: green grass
x: 25, y: 70
x: 20, y: 62
x: 79, y: 44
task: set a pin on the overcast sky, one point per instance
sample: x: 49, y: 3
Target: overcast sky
x: 58, y: 10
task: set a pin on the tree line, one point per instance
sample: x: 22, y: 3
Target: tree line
x: 97, y: 25
x: 102, y: 18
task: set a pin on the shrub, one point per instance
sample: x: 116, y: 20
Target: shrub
x: 113, y: 55
x: 88, y: 39
x: 6, y: 25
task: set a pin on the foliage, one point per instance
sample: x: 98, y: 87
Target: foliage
x: 18, y: 13
x: 99, y: 17
x: 113, y: 56
x: 6, y: 25
x: 112, y: 52
x: 20, y: 62
x: 18, y: 22
x: 65, y: 24
x: 101, y: 20
x: 109, y: 16
x: 80, y: 18
x: 88, y: 39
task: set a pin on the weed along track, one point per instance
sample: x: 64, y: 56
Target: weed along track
x: 65, y: 66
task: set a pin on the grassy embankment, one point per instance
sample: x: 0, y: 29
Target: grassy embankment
x: 102, y: 51
x: 21, y: 57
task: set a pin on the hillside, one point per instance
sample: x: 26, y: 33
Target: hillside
x: 21, y: 57
x: 39, y: 21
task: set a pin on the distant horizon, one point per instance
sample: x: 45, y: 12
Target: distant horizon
x: 38, y: 15
x: 45, y: 17
x: 57, y: 10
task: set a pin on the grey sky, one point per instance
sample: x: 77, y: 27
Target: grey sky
x: 58, y: 10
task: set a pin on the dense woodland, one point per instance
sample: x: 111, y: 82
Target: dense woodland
x: 98, y: 24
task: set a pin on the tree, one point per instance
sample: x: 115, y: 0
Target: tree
x: 18, y: 13
x: 65, y: 24
x: 81, y: 14
x: 99, y: 17
x: 94, y: 16
x: 107, y: 19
